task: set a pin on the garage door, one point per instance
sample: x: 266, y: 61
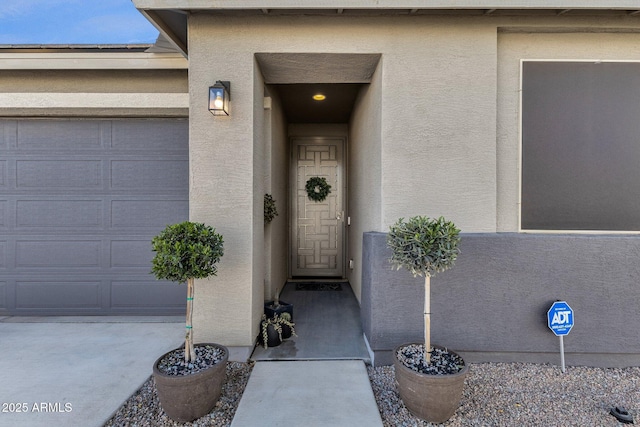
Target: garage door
x: 80, y: 201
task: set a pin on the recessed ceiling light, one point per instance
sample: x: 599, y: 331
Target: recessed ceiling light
x: 319, y: 97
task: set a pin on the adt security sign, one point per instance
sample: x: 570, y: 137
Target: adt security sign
x: 560, y: 318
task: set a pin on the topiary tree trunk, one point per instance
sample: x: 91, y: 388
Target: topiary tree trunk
x: 425, y: 247
x: 427, y: 319
x: 185, y: 252
x: 189, y: 352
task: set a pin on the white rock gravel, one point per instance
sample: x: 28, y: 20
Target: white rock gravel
x: 518, y: 394
x: 143, y: 408
x: 495, y: 394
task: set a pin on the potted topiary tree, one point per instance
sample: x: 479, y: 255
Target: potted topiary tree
x: 189, y: 379
x: 430, y: 378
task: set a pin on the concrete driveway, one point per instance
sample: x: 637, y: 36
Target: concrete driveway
x: 77, y: 371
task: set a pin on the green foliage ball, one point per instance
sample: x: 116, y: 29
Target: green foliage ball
x: 424, y: 246
x: 186, y: 250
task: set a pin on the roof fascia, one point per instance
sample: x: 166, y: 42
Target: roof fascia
x: 92, y: 61
x: 385, y: 4
x: 165, y: 28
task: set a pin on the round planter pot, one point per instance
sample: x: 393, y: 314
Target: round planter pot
x: 273, y: 337
x: 434, y: 398
x: 188, y: 397
x: 286, y: 332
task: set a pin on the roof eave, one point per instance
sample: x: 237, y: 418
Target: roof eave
x: 170, y: 16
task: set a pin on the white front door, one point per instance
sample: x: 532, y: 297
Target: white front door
x: 317, y: 229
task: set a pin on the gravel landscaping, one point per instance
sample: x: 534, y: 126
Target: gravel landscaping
x: 441, y: 361
x: 495, y: 394
x: 143, y: 408
x: 206, y: 356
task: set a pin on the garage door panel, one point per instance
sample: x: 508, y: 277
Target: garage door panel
x: 36, y: 254
x: 38, y: 294
x: 44, y: 174
x: 3, y: 254
x: 8, y: 133
x: 70, y: 135
x: 141, y: 214
x: 51, y: 213
x: 3, y: 214
x: 145, y: 175
x: 3, y: 174
x: 4, y: 128
x: 147, y: 293
x: 149, y: 135
x: 3, y: 299
x: 134, y: 253
x: 80, y: 201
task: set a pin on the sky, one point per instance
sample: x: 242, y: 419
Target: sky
x: 73, y: 22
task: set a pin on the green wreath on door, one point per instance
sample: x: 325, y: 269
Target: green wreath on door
x: 317, y: 188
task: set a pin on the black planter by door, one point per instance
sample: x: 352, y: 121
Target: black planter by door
x: 273, y: 337
x: 284, y: 307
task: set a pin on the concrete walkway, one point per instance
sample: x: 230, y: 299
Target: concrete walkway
x: 77, y: 371
x: 323, y: 393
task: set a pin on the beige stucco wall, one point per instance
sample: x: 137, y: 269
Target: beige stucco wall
x: 221, y: 185
x: 420, y: 123
x: 260, y: 164
x: 437, y: 142
x: 100, y: 81
x: 365, y: 172
x: 438, y: 123
x: 276, y: 180
x: 96, y: 93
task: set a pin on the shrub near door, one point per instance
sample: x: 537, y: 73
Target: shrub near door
x: 430, y: 378
x: 189, y: 379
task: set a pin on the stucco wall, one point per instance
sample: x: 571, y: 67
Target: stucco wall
x: 447, y: 122
x: 279, y: 186
x: 93, y: 93
x: 365, y: 173
x: 221, y: 186
x: 260, y: 164
x: 438, y: 123
x: 70, y: 81
x: 96, y: 93
x: 492, y: 305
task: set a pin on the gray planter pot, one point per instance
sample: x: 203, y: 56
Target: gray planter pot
x: 434, y: 398
x: 186, y: 398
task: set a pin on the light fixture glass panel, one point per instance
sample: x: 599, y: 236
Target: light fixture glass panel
x: 219, y: 99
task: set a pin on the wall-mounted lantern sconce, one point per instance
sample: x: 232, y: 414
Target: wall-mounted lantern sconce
x: 219, y: 98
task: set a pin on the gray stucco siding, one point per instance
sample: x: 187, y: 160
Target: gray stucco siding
x: 80, y: 200
x: 492, y: 304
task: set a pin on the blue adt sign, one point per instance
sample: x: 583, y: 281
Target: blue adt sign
x: 560, y: 318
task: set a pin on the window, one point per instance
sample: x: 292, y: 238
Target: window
x: 580, y: 146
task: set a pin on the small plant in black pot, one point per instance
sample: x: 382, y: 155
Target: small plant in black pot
x: 189, y: 379
x: 273, y: 330
x: 277, y: 307
x: 430, y: 378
